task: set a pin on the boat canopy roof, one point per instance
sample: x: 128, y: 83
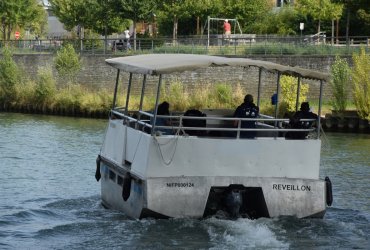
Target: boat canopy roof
x: 157, y: 64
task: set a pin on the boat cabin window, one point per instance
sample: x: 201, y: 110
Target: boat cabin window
x: 112, y: 175
x: 119, y: 180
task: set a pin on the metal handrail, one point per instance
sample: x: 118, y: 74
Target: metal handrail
x: 208, y: 128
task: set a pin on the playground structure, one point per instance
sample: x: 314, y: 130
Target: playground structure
x: 234, y: 25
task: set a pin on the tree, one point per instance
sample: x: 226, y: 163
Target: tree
x: 21, y: 14
x: 71, y: 12
x: 320, y: 10
x: 202, y: 9
x: 176, y: 9
x: 282, y: 22
x: 356, y: 10
x: 247, y: 12
x: 103, y: 19
x: 136, y: 10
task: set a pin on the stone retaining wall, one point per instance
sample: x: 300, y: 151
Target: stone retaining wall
x: 96, y: 74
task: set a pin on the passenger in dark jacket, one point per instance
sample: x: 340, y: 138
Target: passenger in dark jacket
x: 247, y: 110
x: 163, y: 109
x: 297, y: 123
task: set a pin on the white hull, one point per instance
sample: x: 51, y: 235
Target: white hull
x: 174, y: 176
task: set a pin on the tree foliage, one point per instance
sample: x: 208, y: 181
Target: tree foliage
x: 186, y: 16
x: 176, y: 9
x: 136, y: 10
x: 96, y: 15
x: 356, y: 19
x: 283, y: 22
x: 320, y: 10
x: 21, y: 14
x: 247, y: 12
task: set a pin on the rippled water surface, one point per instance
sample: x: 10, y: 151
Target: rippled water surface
x: 49, y: 198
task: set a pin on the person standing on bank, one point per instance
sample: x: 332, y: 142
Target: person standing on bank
x: 227, y: 28
x: 247, y: 110
x: 127, y: 38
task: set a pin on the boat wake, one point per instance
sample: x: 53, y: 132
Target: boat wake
x: 243, y: 233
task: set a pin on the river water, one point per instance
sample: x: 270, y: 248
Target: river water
x: 49, y: 198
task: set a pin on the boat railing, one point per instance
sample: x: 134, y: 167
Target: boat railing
x: 266, y: 126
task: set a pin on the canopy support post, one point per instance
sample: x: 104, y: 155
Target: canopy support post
x: 115, y: 89
x: 319, y: 111
x: 128, y: 94
x: 277, y: 97
x: 156, y: 103
x: 141, y: 100
x: 298, y: 92
x: 259, y: 86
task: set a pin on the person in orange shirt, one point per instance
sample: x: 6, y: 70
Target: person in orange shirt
x: 227, y: 28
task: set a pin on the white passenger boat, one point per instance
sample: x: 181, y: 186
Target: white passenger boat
x: 148, y: 174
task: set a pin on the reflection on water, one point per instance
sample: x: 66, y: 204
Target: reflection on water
x: 50, y: 199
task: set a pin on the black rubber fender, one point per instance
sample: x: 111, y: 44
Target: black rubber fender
x: 329, y: 191
x: 126, y: 187
x: 97, y: 172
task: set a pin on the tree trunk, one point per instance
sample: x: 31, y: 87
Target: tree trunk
x: 347, y: 26
x: 3, y: 31
x: 198, y: 28
x: 9, y: 32
x: 174, y: 32
x: 337, y: 31
x: 332, y: 32
x: 134, y: 30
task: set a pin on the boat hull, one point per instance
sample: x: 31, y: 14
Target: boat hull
x: 190, y: 197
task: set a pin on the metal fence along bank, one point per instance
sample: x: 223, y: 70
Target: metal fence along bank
x: 247, y: 44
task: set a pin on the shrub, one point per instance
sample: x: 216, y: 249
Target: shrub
x: 67, y: 62
x: 10, y: 76
x: 361, y: 83
x: 340, y: 83
x: 177, y: 96
x: 25, y: 95
x: 69, y: 99
x: 199, y: 98
x: 223, y: 94
x: 45, y: 86
x: 289, y: 86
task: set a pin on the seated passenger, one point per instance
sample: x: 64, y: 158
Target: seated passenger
x: 163, y: 109
x: 194, y: 122
x: 247, y: 110
x: 296, y: 123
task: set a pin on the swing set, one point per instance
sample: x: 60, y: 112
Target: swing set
x: 210, y: 22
